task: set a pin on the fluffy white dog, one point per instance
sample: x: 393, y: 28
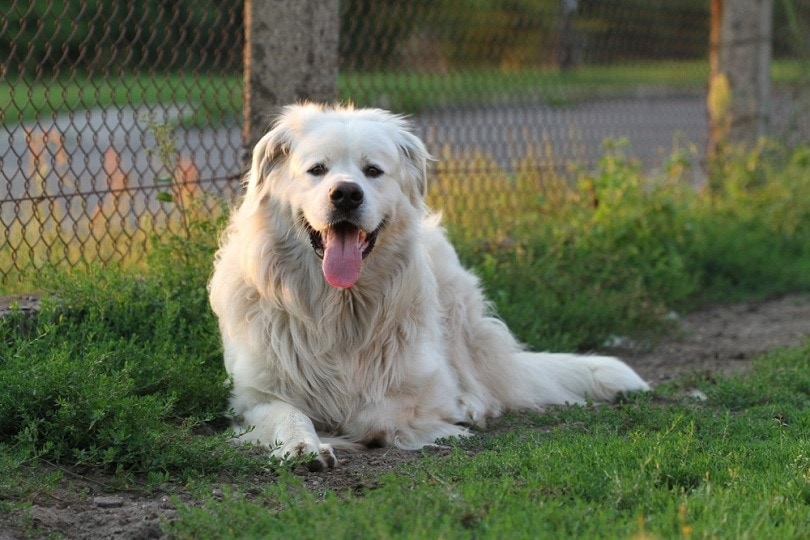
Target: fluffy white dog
x: 345, y: 312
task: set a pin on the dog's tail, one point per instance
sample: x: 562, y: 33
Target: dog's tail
x: 556, y: 379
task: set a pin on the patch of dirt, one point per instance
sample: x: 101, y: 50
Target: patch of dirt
x: 715, y: 340
x: 107, y: 516
x: 724, y: 339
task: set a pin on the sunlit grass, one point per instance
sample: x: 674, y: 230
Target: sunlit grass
x: 617, y: 247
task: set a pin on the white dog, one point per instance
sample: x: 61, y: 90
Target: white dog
x: 345, y: 312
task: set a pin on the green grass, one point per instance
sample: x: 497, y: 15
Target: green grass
x: 413, y: 92
x: 212, y: 98
x: 734, y: 466
x: 121, y: 373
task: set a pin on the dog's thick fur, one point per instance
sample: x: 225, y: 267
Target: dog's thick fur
x: 345, y: 312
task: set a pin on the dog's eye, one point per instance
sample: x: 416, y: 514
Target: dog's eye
x: 372, y: 171
x: 317, y: 170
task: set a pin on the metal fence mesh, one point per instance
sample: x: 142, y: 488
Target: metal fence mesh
x: 102, y: 103
x: 112, y: 110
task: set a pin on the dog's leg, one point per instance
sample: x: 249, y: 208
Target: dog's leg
x: 557, y: 379
x: 288, y: 432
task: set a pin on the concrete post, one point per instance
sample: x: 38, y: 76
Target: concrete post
x: 739, y: 81
x: 291, y: 54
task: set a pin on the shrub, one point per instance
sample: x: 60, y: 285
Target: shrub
x: 613, y: 251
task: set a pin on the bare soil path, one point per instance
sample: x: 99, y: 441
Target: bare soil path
x: 723, y: 339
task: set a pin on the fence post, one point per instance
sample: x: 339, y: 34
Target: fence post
x: 291, y: 54
x: 739, y: 82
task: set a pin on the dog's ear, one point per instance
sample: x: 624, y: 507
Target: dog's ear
x: 269, y: 153
x: 415, y: 157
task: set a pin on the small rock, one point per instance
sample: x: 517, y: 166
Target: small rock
x: 108, y: 502
x: 696, y: 394
x: 620, y: 342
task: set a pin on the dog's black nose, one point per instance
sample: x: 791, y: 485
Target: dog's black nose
x: 346, y: 195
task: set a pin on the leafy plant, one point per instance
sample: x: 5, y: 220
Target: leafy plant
x: 614, y: 250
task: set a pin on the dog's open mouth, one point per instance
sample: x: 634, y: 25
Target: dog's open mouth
x: 342, y: 247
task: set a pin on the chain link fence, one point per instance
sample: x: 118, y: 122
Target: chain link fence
x: 109, y: 109
x: 114, y: 113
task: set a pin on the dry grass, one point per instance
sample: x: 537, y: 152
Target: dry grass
x: 480, y: 200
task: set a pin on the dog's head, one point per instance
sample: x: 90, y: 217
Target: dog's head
x: 341, y: 176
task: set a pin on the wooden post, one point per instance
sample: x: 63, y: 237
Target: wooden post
x: 739, y: 82
x: 565, y: 51
x: 291, y: 55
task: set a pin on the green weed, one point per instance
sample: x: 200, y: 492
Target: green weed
x: 116, y: 374
x: 615, y: 249
x: 121, y: 368
x: 755, y: 224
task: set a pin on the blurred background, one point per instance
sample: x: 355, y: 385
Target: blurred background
x: 114, y: 113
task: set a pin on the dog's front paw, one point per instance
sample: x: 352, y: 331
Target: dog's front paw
x: 473, y: 410
x: 315, y: 454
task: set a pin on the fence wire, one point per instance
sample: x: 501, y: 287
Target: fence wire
x: 110, y: 108
x: 114, y: 112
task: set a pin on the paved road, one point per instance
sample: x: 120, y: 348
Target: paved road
x: 573, y: 133
x: 652, y: 125
x: 72, y: 150
x: 502, y: 131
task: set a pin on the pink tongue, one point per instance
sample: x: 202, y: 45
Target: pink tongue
x: 342, y: 258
